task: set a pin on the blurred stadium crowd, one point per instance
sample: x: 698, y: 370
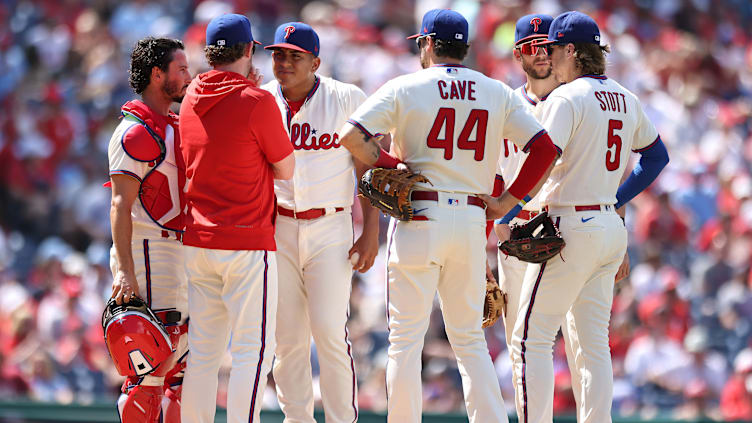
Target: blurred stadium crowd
x: 682, y: 323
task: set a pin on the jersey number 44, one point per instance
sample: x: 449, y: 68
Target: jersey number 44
x: 445, y: 119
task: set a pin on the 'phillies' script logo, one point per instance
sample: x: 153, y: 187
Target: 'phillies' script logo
x: 535, y: 22
x: 289, y: 30
x: 303, y: 137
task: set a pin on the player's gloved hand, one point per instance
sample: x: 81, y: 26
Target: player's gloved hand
x: 497, y: 207
x: 623, y: 271
x: 494, y: 305
x: 366, y: 247
x: 124, y: 286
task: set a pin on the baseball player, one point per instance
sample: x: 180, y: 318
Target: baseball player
x: 448, y: 123
x: 595, y: 122
x: 146, y: 258
x: 540, y: 82
x: 234, y: 145
x: 314, y: 231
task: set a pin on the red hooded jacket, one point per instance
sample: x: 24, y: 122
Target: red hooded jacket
x: 231, y: 132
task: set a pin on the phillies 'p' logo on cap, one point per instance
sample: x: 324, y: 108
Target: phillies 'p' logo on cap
x: 296, y: 36
x: 289, y: 30
x: 535, y: 22
x: 529, y: 28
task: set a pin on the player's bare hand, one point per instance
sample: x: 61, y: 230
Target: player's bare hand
x: 623, y: 271
x: 124, y: 287
x: 256, y: 76
x: 366, y: 248
x: 503, y: 232
x: 497, y: 207
x: 489, y: 273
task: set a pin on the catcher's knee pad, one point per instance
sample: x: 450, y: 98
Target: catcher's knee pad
x: 142, y: 404
x: 171, y: 403
x: 175, y: 363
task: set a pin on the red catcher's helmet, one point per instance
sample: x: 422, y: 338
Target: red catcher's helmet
x: 136, y: 339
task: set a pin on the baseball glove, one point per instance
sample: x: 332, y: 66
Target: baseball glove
x: 495, y: 304
x: 529, y: 244
x: 389, y: 190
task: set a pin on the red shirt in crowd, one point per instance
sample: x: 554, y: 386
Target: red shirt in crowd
x: 231, y: 132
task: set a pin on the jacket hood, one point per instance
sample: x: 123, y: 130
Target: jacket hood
x: 209, y: 88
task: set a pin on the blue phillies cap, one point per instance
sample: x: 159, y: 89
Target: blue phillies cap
x: 530, y: 27
x: 296, y: 36
x: 444, y: 24
x: 228, y: 30
x: 573, y: 27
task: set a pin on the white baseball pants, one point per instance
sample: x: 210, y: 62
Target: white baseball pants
x: 445, y: 254
x: 160, y: 273
x: 581, y: 282
x: 511, y: 274
x: 159, y: 265
x: 232, y: 298
x: 315, y: 277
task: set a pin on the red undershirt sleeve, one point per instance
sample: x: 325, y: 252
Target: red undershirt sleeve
x: 541, y: 154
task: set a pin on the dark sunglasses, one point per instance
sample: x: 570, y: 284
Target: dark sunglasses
x: 528, y: 49
x: 550, y: 48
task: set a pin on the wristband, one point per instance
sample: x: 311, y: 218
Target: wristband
x: 386, y: 160
x: 513, y: 213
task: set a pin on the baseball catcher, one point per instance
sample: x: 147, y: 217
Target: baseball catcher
x: 389, y: 190
x: 535, y: 241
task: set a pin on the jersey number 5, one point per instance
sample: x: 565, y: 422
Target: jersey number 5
x: 613, y: 158
x: 478, y: 120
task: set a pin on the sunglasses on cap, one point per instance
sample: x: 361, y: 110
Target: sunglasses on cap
x: 528, y: 49
x: 419, y: 39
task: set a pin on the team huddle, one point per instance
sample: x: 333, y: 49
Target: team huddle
x: 242, y: 235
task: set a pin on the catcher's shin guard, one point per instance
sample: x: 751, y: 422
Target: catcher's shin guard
x: 142, y: 404
x: 171, y: 404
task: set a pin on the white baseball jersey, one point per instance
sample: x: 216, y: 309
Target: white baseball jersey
x: 121, y: 163
x: 322, y: 178
x: 512, y: 157
x: 592, y: 119
x: 313, y: 267
x: 466, y: 116
x: 595, y: 121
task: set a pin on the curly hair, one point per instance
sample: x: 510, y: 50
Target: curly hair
x: 450, y: 48
x: 591, y: 58
x: 148, y: 53
x: 223, y: 55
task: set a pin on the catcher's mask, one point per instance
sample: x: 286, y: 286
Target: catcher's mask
x: 137, y: 341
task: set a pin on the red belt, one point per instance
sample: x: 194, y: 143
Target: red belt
x: 309, y: 214
x: 590, y: 207
x: 434, y: 196
x: 526, y: 214
x: 178, y: 235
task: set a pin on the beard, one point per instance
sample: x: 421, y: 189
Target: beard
x: 532, y: 72
x: 173, y: 90
x: 423, y: 59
